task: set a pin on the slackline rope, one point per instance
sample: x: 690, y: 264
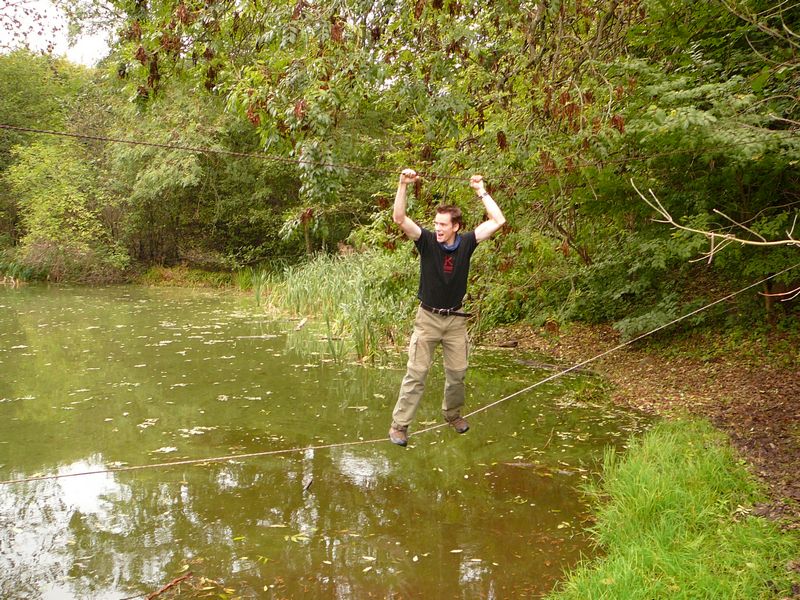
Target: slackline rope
x: 230, y: 457
x: 541, y: 173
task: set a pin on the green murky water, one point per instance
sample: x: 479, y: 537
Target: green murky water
x: 98, y: 378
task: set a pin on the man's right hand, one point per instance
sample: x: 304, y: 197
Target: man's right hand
x: 408, y: 176
x: 411, y: 229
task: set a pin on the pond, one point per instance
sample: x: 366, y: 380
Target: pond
x: 108, y: 378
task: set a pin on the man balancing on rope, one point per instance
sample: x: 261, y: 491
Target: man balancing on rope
x: 444, y: 266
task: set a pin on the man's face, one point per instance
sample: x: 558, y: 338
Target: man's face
x: 444, y: 228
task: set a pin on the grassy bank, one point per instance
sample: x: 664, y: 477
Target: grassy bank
x: 673, y: 521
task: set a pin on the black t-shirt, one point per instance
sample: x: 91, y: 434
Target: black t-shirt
x: 443, y: 273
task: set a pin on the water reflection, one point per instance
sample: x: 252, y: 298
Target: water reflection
x: 97, y: 378
x: 363, y: 471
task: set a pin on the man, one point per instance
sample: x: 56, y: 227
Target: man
x: 444, y: 267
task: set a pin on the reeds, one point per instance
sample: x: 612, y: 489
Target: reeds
x: 674, y: 522
x: 365, y: 298
x: 256, y: 279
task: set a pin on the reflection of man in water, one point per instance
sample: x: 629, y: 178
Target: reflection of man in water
x: 444, y: 267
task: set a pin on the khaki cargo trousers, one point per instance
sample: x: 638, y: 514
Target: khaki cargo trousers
x: 430, y: 330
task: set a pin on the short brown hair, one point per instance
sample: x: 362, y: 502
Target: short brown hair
x: 456, y: 218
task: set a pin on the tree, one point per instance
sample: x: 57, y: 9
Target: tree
x: 60, y: 203
x: 35, y: 91
x: 208, y: 207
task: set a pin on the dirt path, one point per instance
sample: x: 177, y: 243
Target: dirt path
x: 743, y: 392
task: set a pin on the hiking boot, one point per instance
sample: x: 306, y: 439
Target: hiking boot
x: 398, y: 435
x: 459, y: 424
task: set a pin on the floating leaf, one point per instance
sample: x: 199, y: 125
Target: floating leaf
x: 367, y: 569
x: 456, y: 551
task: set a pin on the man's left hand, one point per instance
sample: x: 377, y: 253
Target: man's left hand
x: 476, y: 183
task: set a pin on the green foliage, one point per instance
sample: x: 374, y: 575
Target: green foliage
x: 639, y: 274
x: 673, y: 522
x: 519, y: 276
x: 215, y: 210
x: 35, y: 91
x: 256, y: 279
x: 15, y: 271
x: 59, y: 204
x: 715, y: 115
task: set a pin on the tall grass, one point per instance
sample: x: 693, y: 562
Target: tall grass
x: 256, y: 279
x: 13, y: 272
x: 367, y: 297
x: 673, y: 522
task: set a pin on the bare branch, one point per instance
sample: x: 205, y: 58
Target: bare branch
x: 719, y: 212
x: 791, y: 231
x: 784, y: 296
x: 769, y: 208
x: 787, y: 30
x: 777, y: 118
x: 718, y: 240
x: 761, y: 56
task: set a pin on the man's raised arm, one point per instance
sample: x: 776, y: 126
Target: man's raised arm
x: 411, y: 229
x: 496, y: 219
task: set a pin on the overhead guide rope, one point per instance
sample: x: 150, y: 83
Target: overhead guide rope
x: 541, y: 173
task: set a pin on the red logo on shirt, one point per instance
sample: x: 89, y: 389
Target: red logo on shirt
x: 448, y: 264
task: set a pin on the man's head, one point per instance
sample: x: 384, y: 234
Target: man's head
x: 447, y: 222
